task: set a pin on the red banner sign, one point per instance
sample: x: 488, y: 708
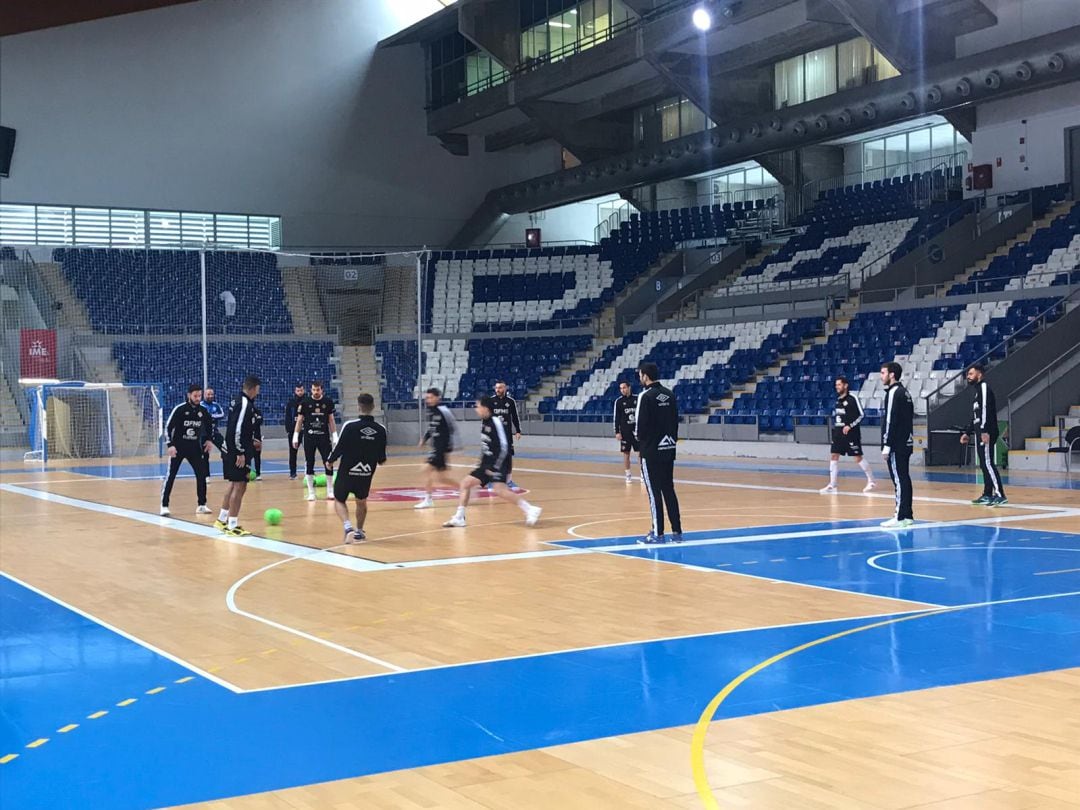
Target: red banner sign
x: 37, y: 353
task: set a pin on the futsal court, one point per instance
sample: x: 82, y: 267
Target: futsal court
x: 790, y: 653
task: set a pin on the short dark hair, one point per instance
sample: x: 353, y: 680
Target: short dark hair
x: 251, y: 381
x: 300, y: 385
x: 979, y: 367
x: 500, y: 382
x: 191, y: 389
x: 649, y: 369
x: 434, y: 391
x: 893, y: 368
x: 316, y: 384
x: 626, y: 383
x: 841, y: 378
x: 366, y: 402
x: 486, y: 402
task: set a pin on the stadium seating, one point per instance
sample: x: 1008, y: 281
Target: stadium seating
x: 701, y: 363
x: 1051, y: 258
x: 857, y: 238
x: 158, y: 292
x: 931, y: 343
x: 279, y: 364
x: 464, y: 369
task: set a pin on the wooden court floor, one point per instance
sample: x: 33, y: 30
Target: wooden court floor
x: 293, y: 606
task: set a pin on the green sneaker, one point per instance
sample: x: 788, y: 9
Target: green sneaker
x: 906, y: 523
x: 1002, y: 501
x: 982, y: 500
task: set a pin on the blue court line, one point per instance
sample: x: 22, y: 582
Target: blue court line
x: 917, y: 473
x: 201, y: 742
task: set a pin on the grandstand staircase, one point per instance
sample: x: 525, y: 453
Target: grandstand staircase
x: 690, y: 311
x: 772, y: 371
x: 1003, y: 250
x: 1036, y: 453
x: 302, y: 299
x: 358, y: 374
x: 399, y: 300
x: 11, y: 421
x: 72, y: 313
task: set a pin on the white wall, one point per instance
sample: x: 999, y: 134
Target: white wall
x: 248, y: 106
x: 1019, y: 20
x: 573, y: 222
x: 1040, y: 119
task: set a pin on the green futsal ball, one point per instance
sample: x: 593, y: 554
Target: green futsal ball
x: 272, y: 516
x: 320, y: 480
x: 251, y: 475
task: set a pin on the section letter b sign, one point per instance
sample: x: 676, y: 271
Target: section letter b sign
x: 37, y: 353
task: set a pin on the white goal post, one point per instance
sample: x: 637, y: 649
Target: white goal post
x: 95, y: 420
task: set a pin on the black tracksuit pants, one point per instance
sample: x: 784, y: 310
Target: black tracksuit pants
x: 899, y: 464
x: 292, y: 454
x: 196, y: 458
x: 658, y: 473
x: 992, y: 486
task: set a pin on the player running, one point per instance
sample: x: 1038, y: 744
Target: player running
x: 236, y: 452
x: 188, y: 431
x: 315, y: 422
x: 847, y: 436
x: 505, y: 407
x: 442, y: 433
x: 493, y: 469
x: 625, y: 407
x: 361, y: 448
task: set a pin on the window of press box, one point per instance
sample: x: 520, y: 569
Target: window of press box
x: 828, y: 70
x: 553, y: 29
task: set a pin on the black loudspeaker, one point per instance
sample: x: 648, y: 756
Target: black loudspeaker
x: 982, y: 177
x: 7, y: 149
x: 532, y: 237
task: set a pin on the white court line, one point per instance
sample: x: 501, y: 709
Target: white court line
x: 290, y: 550
x: 873, y: 561
x: 1062, y: 571
x: 91, y: 477
x: 230, y: 602
x: 112, y: 628
x: 943, y: 610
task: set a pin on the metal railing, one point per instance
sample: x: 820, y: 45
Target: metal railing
x: 1007, y: 345
x: 1024, y: 394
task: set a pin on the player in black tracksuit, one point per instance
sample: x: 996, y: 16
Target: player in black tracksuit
x: 291, y: 409
x: 506, y: 409
x: 315, y: 421
x: 361, y: 448
x: 847, y: 435
x: 657, y: 428
x: 256, y: 455
x: 984, y: 424
x: 442, y: 433
x: 898, y: 443
x: 236, y: 452
x: 188, y: 433
x: 493, y: 468
x: 625, y: 407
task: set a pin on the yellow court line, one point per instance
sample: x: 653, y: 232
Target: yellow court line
x: 697, y: 743
x: 4, y: 760
x: 184, y: 680
x: 127, y: 702
x: 38, y: 742
x: 67, y: 728
x: 96, y: 715
x: 155, y: 690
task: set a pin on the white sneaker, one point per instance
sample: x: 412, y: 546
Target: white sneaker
x: 829, y: 489
x: 329, y: 495
x: 629, y: 478
x: 533, y: 515
x: 891, y: 523
x: 427, y: 503
x: 870, y: 486
x: 311, y: 496
x: 164, y: 511
x: 203, y: 510
x: 455, y: 522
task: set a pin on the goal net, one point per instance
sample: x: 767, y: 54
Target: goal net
x: 95, y: 420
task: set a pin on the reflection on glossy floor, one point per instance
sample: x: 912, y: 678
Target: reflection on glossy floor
x: 559, y: 666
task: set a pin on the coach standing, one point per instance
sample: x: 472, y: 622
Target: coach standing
x: 898, y: 443
x: 292, y: 408
x: 984, y: 424
x: 657, y: 426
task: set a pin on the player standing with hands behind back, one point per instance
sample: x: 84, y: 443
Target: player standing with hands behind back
x: 984, y: 423
x: 505, y: 408
x: 292, y: 407
x: 315, y: 422
x: 657, y: 426
x: 898, y: 443
x: 236, y: 453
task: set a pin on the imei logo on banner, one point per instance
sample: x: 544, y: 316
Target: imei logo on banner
x: 38, y: 349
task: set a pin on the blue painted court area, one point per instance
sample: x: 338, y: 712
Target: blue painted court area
x: 199, y: 741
